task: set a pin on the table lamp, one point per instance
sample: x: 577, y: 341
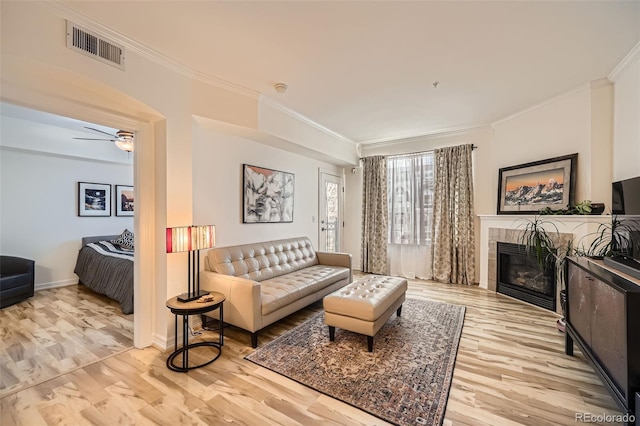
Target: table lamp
x: 191, y: 239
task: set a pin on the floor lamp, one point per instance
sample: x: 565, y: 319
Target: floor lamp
x: 191, y: 239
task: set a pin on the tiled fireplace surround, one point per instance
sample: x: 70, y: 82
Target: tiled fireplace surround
x: 508, y: 228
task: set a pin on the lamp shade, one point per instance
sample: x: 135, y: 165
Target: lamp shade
x: 203, y: 237
x: 190, y: 238
x: 178, y: 239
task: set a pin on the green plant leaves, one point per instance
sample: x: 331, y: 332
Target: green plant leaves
x: 582, y: 208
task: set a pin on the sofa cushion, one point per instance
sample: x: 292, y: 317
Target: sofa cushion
x: 281, y: 291
x: 9, y: 282
x: 262, y: 261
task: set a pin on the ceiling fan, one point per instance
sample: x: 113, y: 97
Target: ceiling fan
x: 123, y: 138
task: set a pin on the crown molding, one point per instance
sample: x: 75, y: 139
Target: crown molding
x: 631, y: 57
x: 543, y: 103
x: 602, y: 82
x: 382, y: 143
x: 306, y: 120
x: 68, y: 13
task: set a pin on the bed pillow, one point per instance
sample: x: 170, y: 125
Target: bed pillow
x: 125, y: 240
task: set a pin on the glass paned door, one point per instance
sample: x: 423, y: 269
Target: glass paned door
x: 330, y: 212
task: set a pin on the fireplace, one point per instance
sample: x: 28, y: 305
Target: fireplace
x: 519, y: 275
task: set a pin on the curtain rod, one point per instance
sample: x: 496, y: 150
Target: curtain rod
x: 413, y: 153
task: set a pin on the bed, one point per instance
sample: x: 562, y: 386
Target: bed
x: 107, y: 269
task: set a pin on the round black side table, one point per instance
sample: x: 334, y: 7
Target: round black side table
x: 185, y: 309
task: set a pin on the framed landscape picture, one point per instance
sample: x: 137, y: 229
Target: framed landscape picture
x: 528, y: 188
x: 94, y: 199
x: 124, y: 200
x: 267, y: 195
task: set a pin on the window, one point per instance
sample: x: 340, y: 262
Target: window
x: 410, y: 197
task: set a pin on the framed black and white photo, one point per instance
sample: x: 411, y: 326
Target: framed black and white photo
x: 124, y: 200
x: 531, y: 187
x: 94, y: 199
x: 267, y: 195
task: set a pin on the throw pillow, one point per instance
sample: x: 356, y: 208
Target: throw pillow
x: 125, y: 240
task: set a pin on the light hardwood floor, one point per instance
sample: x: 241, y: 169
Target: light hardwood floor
x: 510, y: 370
x: 57, y: 331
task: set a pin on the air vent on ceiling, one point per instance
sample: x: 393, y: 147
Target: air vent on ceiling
x: 91, y: 44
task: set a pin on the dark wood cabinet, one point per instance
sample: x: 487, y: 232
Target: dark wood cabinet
x: 603, y: 320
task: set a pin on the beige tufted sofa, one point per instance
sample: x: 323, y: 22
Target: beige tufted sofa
x: 264, y: 282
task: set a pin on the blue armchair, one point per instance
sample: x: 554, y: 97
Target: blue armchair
x: 17, y: 276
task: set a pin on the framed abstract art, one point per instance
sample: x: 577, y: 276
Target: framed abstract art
x: 267, y: 195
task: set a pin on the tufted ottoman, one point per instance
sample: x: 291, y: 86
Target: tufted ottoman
x: 364, y: 306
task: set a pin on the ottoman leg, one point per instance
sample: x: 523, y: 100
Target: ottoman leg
x: 332, y: 333
x: 399, y: 311
x: 370, y: 343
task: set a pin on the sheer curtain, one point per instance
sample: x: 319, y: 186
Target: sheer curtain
x: 374, y: 215
x: 410, y: 192
x: 453, y: 235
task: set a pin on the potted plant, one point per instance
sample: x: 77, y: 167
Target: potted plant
x: 585, y: 207
x: 610, y: 239
x: 537, y: 237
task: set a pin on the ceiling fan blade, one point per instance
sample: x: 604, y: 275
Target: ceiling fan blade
x: 96, y: 130
x: 94, y: 139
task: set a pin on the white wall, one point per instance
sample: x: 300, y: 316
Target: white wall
x: 283, y: 123
x: 38, y: 212
x: 626, y: 148
x: 561, y: 126
x: 602, y: 141
x: 217, y: 185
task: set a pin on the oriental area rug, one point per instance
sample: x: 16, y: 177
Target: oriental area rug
x: 405, y: 380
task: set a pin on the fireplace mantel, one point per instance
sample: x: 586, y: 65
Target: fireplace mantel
x: 581, y: 226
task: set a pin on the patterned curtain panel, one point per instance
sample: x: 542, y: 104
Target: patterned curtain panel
x: 374, y: 215
x: 453, y: 245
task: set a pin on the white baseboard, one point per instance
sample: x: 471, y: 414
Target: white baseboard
x: 161, y: 342
x: 166, y: 343
x: 55, y: 284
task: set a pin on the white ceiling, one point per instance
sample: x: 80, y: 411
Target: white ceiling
x: 366, y: 69
x: 78, y: 128
x: 26, y: 129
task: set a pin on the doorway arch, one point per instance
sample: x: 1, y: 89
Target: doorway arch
x: 77, y: 96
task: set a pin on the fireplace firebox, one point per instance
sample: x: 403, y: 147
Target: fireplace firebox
x: 520, y: 276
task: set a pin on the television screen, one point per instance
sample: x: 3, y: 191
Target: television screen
x: 628, y: 247
x: 626, y: 197
x: 625, y: 206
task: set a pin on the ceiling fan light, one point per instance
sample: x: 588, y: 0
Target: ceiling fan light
x: 125, y: 144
